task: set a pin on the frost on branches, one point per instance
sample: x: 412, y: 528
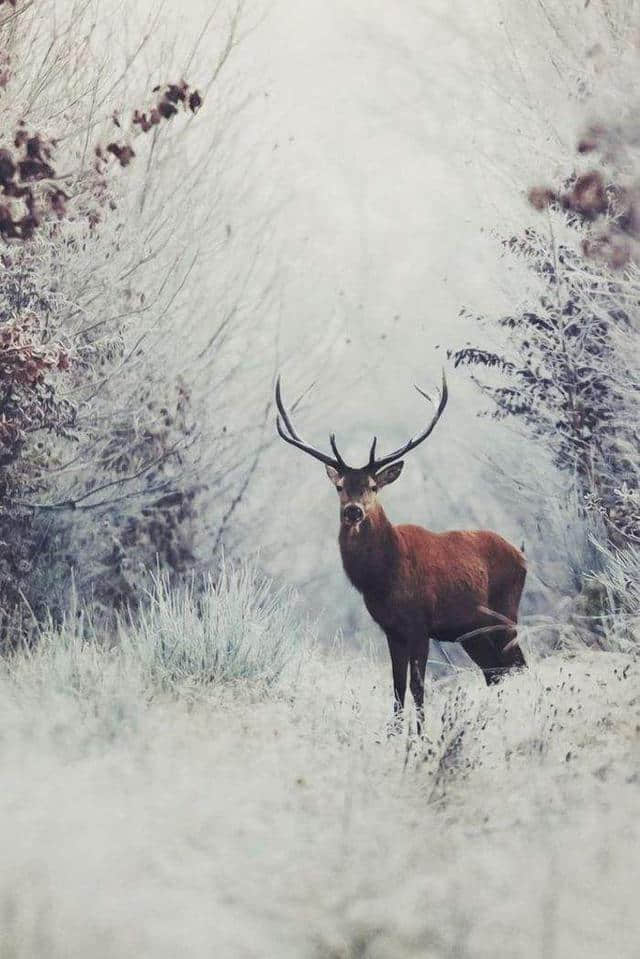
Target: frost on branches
x: 94, y: 439
x: 568, y: 370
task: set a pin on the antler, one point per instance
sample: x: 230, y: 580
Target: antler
x: 376, y: 464
x: 290, y: 436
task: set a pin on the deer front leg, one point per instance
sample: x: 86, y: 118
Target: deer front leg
x: 418, y: 665
x: 399, y: 652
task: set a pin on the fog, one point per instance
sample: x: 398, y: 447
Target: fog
x: 363, y: 163
x: 394, y: 162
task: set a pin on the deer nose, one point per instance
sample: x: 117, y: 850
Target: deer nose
x: 353, y: 513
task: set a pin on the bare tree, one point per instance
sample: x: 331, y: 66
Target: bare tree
x: 115, y: 220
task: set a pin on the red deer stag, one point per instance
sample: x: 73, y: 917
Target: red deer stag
x: 455, y: 586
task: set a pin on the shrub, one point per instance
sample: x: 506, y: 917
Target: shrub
x: 99, y: 434
x: 562, y: 364
x: 566, y: 368
x: 237, y: 627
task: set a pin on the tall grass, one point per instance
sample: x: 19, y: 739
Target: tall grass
x: 238, y: 627
x: 206, y: 634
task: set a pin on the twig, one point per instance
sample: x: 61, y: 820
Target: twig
x: 76, y: 503
x: 237, y: 499
x: 17, y: 13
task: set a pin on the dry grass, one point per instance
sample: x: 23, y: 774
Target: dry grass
x: 238, y: 822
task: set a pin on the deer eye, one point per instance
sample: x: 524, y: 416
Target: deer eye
x: 339, y: 488
x: 374, y: 489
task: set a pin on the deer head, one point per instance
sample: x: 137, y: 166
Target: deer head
x: 358, y: 486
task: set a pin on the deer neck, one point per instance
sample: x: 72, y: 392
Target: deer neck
x: 370, y: 553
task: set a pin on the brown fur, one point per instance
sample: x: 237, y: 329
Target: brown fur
x: 417, y: 584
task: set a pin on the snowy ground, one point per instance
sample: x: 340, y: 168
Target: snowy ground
x: 239, y: 822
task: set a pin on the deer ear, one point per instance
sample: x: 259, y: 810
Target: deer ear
x: 389, y: 474
x: 333, y: 475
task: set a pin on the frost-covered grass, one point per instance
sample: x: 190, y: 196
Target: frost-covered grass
x: 147, y: 811
x: 237, y: 628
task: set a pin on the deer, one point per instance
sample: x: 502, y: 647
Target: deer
x: 454, y: 586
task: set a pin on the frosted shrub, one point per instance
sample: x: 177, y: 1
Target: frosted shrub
x: 83, y: 686
x: 85, y: 430
x: 74, y: 682
x: 236, y: 628
x: 618, y: 584
x: 111, y: 355
x: 563, y: 362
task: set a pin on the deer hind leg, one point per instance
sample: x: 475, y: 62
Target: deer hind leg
x: 506, y: 603
x: 495, y: 649
x: 485, y: 651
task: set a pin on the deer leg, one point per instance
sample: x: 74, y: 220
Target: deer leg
x: 503, y: 652
x: 418, y: 667
x: 494, y: 648
x: 507, y: 603
x: 485, y: 653
x: 399, y: 661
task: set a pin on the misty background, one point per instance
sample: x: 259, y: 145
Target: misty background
x: 391, y: 148
x: 335, y: 208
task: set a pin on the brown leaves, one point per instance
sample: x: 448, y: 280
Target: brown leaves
x: 614, y: 211
x: 611, y: 247
x: 122, y: 152
x: 541, y: 197
x: 7, y: 167
x: 586, y: 196
x: 21, y: 214
x: 8, y: 229
x: 176, y: 93
x: 146, y: 122
x: 28, y: 163
x: 173, y: 97
x: 592, y: 138
x: 34, y: 169
x: 26, y: 399
x: 37, y: 148
x: 58, y: 202
x: 167, y: 109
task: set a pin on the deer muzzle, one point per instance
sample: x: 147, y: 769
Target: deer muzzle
x: 352, y: 514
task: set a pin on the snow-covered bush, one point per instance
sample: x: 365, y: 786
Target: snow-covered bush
x: 238, y: 627
x: 104, y: 335
x: 570, y: 365
x: 564, y: 363
x: 181, y: 642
